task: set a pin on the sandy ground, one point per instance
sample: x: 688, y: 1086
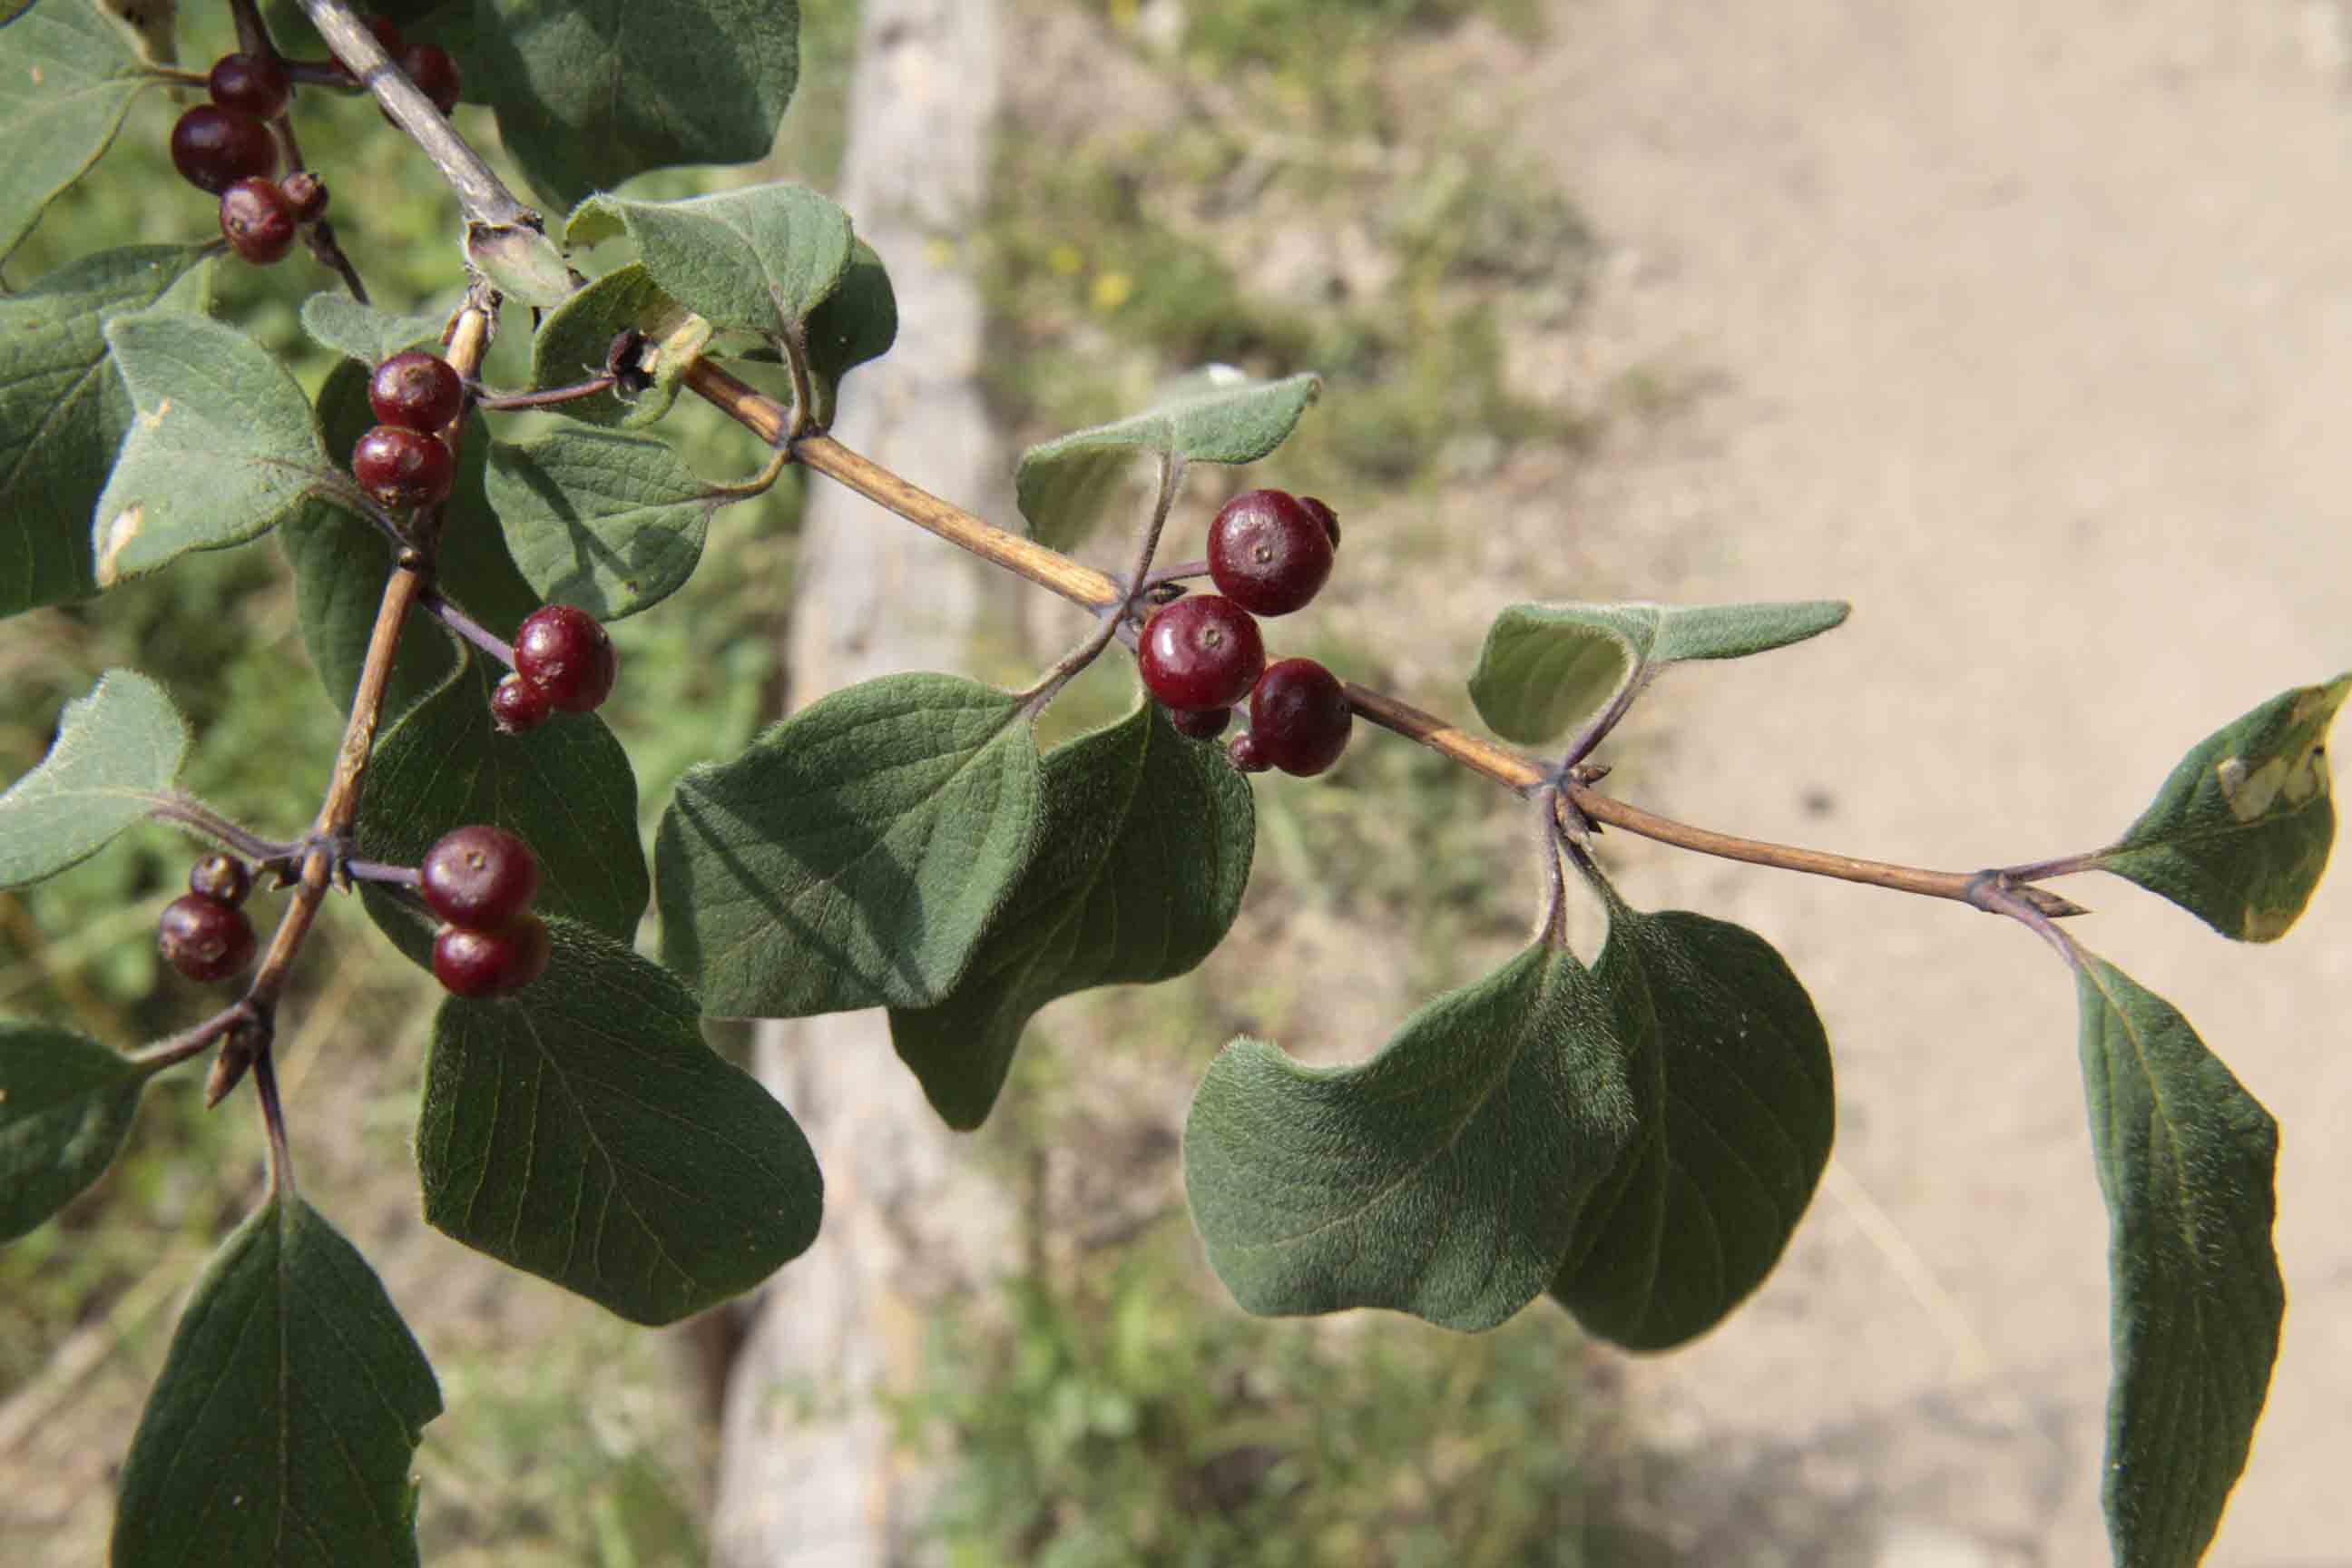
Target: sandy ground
x: 2024, y: 326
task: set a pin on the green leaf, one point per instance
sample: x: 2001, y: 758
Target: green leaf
x: 1730, y: 1074
x: 2239, y: 834
x: 364, y: 334
x: 1214, y: 415
x: 117, y: 750
x: 223, y: 446
x: 565, y: 789
x: 66, y: 78
x: 588, y: 94
x: 63, y: 413
x: 522, y: 261
x: 1145, y: 848
x: 855, y: 854
x: 857, y: 322
x: 1443, y: 1177
x: 582, y: 1132
x: 761, y: 258
x: 571, y: 344
x: 2187, y: 1160
x: 65, y: 1105
x: 612, y: 523
x: 1546, y: 665
x: 288, y: 1413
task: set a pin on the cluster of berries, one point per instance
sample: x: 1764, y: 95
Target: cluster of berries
x: 480, y: 880
x: 563, y: 661
x: 1269, y: 554
x: 204, y: 933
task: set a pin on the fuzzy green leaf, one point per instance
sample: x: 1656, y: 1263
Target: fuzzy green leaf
x: 612, y: 523
x: 522, y: 261
x: 1214, y: 415
x: 117, y: 751
x: 759, y: 259
x: 364, y: 334
x: 1145, y: 848
x: 854, y: 856
x: 591, y: 93
x: 223, y: 444
x: 565, y: 789
x: 1730, y: 1074
x: 65, y: 1105
x: 582, y: 1131
x: 2239, y: 834
x: 1444, y: 1177
x: 63, y: 413
x: 1547, y: 665
x: 2187, y: 1161
x: 857, y: 322
x: 571, y: 344
x: 66, y: 78
x: 287, y: 1416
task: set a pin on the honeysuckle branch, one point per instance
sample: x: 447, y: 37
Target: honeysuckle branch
x: 253, y: 39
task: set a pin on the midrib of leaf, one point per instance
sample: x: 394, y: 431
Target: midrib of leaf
x: 2218, y: 831
x: 2165, y: 1123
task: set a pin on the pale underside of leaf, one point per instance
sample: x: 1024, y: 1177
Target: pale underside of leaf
x: 117, y: 751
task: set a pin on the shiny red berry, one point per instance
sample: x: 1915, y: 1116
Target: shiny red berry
x: 250, y: 84
x: 306, y: 194
x: 1243, y: 752
x: 419, y: 390
x: 213, y: 148
x: 220, y: 877
x: 204, y: 939
x: 430, y: 67
x: 1199, y: 723
x: 516, y: 705
x: 561, y: 650
x: 480, y: 877
x: 1268, y: 553
x: 1299, y: 717
x: 1324, y: 515
x: 401, y: 468
x: 1203, y: 651
x: 476, y: 963
x: 257, y: 221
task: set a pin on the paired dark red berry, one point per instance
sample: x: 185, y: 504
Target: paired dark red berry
x: 1271, y: 551
x: 251, y: 84
x: 1299, y: 717
x: 517, y: 705
x: 1199, y: 723
x: 401, y: 468
x: 561, y: 650
x: 257, y: 221
x: 387, y: 37
x: 307, y: 195
x: 1243, y: 752
x: 222, y: 878
x: 478, y: 964
x: 433, y: 70
x: 480, y: 877
x: 1203, y: 651
x: 204, y: 938
x: 213, y: 148
x: 418, y: 390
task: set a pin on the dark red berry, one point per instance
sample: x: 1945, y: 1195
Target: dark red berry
x: 1299, y: 716
x: 1324, y: 515
x: 204, y: 939
x: 213, y: 148
x: 475, y: 964
x: 434, y: 72
x: 306, y: 194
x: 1243, y: 752
x: 419, y: 390
x: 387, y: 37
x: 1199, y: 723
x: 561, y: 650
x: 1269, y: 554
x: 480, y: 877
x: 1203, y: 651
x: 401, y: 468
x: 517, y: 705
x: 250, y: 84
x: 222, y: 879
x: 258, y: 222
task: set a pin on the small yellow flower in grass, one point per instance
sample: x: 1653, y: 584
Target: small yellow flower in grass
x: 1112, y: 289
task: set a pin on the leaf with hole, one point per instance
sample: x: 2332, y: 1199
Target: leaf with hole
x: 1217, y: 414
x: 365, y: 333
x: 581, y: 1131
x: 2239, y: 834
x: 758, y: 259
x: 288, y: 1413
x: 1145, y: 841
x: 2187, y: 1161
x: 65, y: 1105
x: 612, y: 523
x: 854, y: 855
x: 66, y: 78
x: 1544, y: 666
x: 1737, y: 1107
x: 1444, y: 1177
x: 572, y: 344
x: 117, y: 751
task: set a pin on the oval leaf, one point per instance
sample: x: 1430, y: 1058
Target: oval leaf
x: 2187, y: 1161
x: 1146, y: 844
x: 222, y: 447
x: 288, y: 1411
x: 1730, y: 1074
x: 857, y: 322
x: 571, y: 344
x: 1217, y: 414
x: 364, y: 334
x: 1546, y: 665
x: 66, y: 78
x: 761, y: 258
x: 117, y: 750
x: 65, y: 1105
x: 612, y: 523
x: 854, y: 856
x: 1443, y: 1178
x: 581, y: 1131
x: 2239, y: 834
x: 63, y: 413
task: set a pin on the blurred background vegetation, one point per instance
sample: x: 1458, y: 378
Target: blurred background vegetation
x: 1112, y: 1408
